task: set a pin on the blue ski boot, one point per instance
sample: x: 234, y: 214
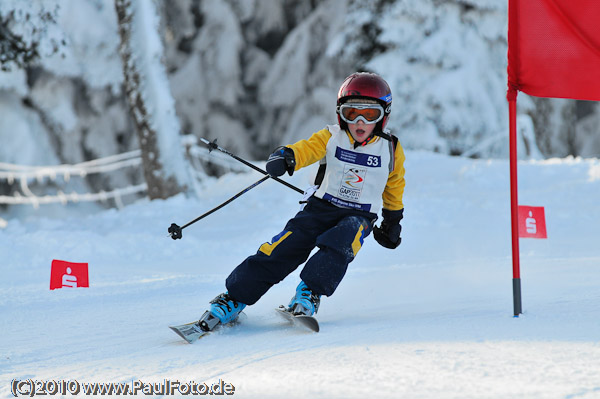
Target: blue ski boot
x: 305, y: 302
x: 223, y: 309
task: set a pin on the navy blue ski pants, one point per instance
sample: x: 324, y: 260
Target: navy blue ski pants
x: 339, y: 234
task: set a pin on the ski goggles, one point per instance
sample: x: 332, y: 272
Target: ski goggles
x: 368, y: 113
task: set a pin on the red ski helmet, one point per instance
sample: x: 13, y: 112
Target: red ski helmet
x: 366, y: 85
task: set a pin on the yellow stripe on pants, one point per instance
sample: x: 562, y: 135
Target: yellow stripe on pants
x: 267, y: 247
x: 357, y: 243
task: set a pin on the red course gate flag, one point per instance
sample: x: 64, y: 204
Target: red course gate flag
x: 532, y: 222
x: 68, y: 274
x: 553, y: 51
x: 554, y: 48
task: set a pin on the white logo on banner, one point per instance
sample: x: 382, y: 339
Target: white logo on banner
x: 68, y: 280
x: 530, y: 224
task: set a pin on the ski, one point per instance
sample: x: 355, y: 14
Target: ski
x: 305, y: 321
x: 192, y: 332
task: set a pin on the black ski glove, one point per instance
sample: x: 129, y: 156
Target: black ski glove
x: 280, y: 161
x: 388, y: 233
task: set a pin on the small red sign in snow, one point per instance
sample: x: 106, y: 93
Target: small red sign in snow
x: 532, y: 222
x: 68, y: 275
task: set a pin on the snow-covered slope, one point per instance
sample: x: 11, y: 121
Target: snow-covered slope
x: 432, y: 319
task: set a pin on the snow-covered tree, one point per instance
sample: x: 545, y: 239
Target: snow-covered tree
x: 28, y: 31
x: 150, y: 101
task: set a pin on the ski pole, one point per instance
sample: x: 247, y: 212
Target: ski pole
x: 175, y: 230
x: 214, y: 146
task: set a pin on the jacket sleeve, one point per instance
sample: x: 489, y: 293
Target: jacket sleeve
x: 394, y: 189
x: 312, y: 150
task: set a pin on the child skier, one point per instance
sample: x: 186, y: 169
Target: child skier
x: 361, y: 171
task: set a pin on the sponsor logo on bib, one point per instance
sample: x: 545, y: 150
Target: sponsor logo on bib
x: 352, y: 182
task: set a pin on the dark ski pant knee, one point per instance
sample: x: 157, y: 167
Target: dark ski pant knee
x: 337, y: 232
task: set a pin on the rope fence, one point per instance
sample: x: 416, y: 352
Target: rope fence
x: 25, y: 175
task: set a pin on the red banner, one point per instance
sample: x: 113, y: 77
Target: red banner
x: 554, y: 48
x: 532, y: 222
x: 67, y: 274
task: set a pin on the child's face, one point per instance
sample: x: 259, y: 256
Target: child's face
x: 361, y: 131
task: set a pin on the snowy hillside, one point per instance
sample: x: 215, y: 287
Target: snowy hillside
x: 432, y: 319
